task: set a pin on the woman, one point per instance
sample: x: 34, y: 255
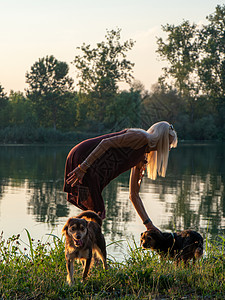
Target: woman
x: 93, y: 163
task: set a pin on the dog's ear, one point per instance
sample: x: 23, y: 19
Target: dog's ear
x: 65, y: 227
x: 85, y: 222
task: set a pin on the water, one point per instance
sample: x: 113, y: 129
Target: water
x: 191, y: 196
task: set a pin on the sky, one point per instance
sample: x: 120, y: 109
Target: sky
x: 32, y: 29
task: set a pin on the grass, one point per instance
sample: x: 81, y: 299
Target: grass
x: 39, y: 272
x: 27, y: 135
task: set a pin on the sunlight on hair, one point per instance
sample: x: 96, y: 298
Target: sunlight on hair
x: 159, y: 138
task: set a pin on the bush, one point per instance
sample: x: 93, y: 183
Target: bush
x: 23, y: 135
x: 205, y: 129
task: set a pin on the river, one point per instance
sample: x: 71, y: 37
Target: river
x: 191, y: 195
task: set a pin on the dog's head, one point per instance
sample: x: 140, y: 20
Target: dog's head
x: 150, y: 239
x: 76, y: 229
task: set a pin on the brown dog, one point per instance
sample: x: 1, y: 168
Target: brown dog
x: 184, y: 245
x: 84, y: 239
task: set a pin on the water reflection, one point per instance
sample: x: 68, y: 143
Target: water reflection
x: 47, y: 203
x: 191, y: 196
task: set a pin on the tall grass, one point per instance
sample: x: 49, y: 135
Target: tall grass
x: 38, y: 271
x: 24, y: 134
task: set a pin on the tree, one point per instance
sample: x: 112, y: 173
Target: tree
x: 4, y: 108
x: 181, y: 51
x: 123, y: 111
x: 196, y: 56
x: 162, y: 105
x: 100, y: 69
x: 21, y: 113
x: 3, y: 97
x: 49, y: 84
x: 211, y: 67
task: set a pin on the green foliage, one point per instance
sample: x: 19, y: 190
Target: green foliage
x: 162, y: 105
x: 49, y: 86
x: 32, y: 272
x: 170, y: 106
x: 48, y: 75
x: 101, y: 68
x: 123, y: 111
x: 21, y: 113
x: 91, y: 112
x: 39, y: 271
x: 3, y: 97
x: 181, y: 51
x: 4, y: 108
x: 196, y: 57
x: 190, y: 93
x: 24, y: 134
x: 211, y: 66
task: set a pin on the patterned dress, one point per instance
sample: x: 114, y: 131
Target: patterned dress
x: 108, y: 166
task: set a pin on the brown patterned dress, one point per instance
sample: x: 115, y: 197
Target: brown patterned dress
x: 108, y: 166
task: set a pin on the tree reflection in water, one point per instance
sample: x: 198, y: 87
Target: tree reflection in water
x: 191, y: 196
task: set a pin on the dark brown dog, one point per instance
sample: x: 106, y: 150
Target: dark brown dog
x: 185, y: 245
x: 84, y: 239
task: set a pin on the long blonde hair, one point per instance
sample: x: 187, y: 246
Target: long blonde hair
x: 159, y: 139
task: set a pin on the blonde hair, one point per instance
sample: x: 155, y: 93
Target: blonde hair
x: 159, y: 139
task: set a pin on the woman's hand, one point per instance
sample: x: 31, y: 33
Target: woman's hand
x: 150, y: 226
x: 75, y: 176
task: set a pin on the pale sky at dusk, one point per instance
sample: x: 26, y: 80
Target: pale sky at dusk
x: 32, y: 29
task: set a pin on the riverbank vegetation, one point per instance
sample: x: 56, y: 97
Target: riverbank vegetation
x: 190, y: 93
x: 37, y: 270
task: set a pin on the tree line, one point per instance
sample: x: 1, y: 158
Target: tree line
x: 190, y: 93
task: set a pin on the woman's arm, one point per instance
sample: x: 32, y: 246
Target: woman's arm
x: 134, y: 188
x: 133, y: 139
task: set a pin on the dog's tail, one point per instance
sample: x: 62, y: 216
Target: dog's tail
x: 90, y: 215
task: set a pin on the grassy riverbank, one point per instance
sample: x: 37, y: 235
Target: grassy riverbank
x: 39, y: 272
